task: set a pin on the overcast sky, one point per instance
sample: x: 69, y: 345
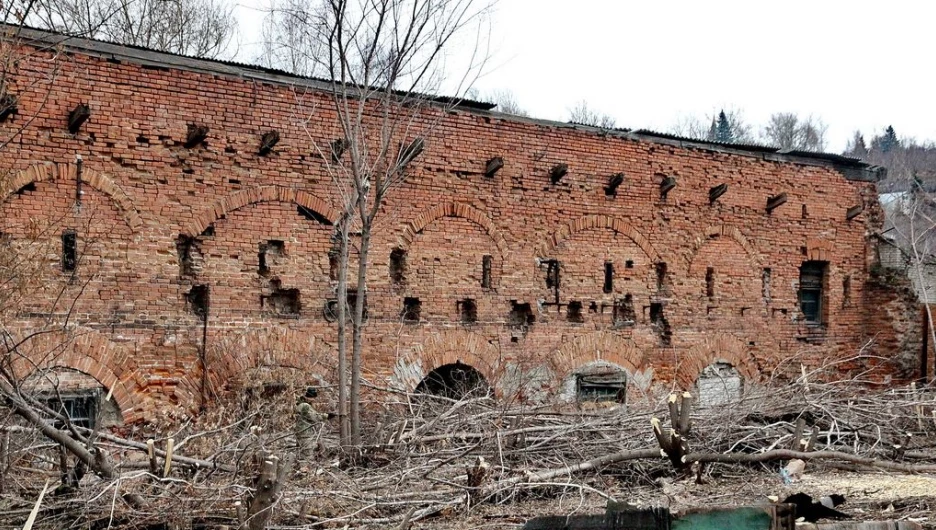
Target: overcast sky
x: 857, y: 65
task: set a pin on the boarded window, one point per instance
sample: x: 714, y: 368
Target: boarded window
x: 812, y: 282
x: 719, y: 384
x: 606, y: 385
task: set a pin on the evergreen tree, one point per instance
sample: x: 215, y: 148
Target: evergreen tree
x: 857, y: 147
x: 724, y: 132
x: 713, y: 130
x: 889, y: 141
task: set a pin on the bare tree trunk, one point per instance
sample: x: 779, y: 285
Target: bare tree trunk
x: 269, y: 483
x: 358, y: 338
x: 345, y: 433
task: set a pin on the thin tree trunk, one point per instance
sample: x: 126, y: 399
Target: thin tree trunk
x: 358, y: 337
x: 345, y: 433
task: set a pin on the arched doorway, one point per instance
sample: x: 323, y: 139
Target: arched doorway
x: 454, y: 381
x: 719, y: 384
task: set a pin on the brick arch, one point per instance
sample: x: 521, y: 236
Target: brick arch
x: 444, y: 348
x: 732, y: 233
x: 256, y: 195
x: 453, y: 209
x: 720, y: 347
x: 598, y: 346
x: 590, y: 222
x: 112, y: 364
x: 49, y: 171
x: 236, y: 352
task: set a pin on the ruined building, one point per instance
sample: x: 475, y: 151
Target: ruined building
x: 541, y: 259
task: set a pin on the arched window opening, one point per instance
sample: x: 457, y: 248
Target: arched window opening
x: 454, y: 381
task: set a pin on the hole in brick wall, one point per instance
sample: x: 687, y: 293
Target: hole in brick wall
x: 197, y: 300
x: 412, y: 309
x: 282, y: 301
x: 185, y: 247
x: 69, y: 250
x: 623, y: 313
x: 352, y: 303
x: 142, y: 139
x: 271, y: 249
x: 593, y: 307
x: 660, y: 324
x: 28, y: 187
x: 486, y: 262
x: 334, y: 264
x: 574, y: 312
x: 234, y: 181
x: 661, y: 278
x: 468, y: 311
x: 710, y: 282
x: 608, y: 277
x: 230, y: 149
x: 312, y: 215
x: 397, y: 266
x: 805, y: 212
x: 629, y: 264
x: 521, y: 315
x: 454, y: 381
x: 765, y: 284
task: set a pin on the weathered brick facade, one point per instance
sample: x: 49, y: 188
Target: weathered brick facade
x: 694, y: 280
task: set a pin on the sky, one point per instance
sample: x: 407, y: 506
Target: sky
x: 857, y: 65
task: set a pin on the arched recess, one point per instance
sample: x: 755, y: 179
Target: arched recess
x: 717, y: 348
x: 453, y: 209
x: 589, y: 222
x: 440, y: 349
x: 241, y: 354
x: 596, y: 347
x: 255, y: 195
x: 49, y: 171
x: 729, y: 232
x: 112, y: 364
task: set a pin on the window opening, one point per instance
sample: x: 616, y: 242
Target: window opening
x: 574, y: 312
x: 608, y: 277
x: 486, y: 262
x: 412, y: 308
x: 603, y: 386
x: 710, y: 282
x: 812, y: 280
x: 468, y: 310
x: 69, y: 251
x: 623, y: 313
x: 397, y: 265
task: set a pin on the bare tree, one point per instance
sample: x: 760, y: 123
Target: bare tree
x: 726, y: 126
x: 507, y: 103
x: 788, y: 131
x: 198, y: 28
x: 584, y: 115
x: 379, y: 57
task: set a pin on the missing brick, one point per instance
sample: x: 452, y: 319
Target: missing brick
x: 468, y: 311
x: 521, y: 315
x: 197, y: 300
x: 284, y: 302
x: 412, y: 309
x: 623, y: 313
x: 186, y: 248
x: 398, y: 266
x: 268, y: 254
x: 661, y: 325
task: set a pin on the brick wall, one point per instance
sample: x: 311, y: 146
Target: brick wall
x: 707, y: 281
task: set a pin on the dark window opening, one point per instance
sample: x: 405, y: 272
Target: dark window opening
x: 312, y: 215
x: 574, y: 312
x: 765, y: 284
x: 454, y: 381
x: 661, y: 277
x: 660, y: 324
x: 81, y: 409
x: 812, y: 282
x: 185, y: 248
x: 521, y: 315
x: 606, y: 386
x: 608, y: 277
x: 629, y: 264
x: 69, y: 250
x: 486, y: 262
x: 805, y: 213
x: 282, y: 301
x: 468, y: 310
x: 412, y: 309
x: 552, y: 274
x: 593, y: 307
x: 197, y: 300
x: 710, y: 282
x: 397, y: 266
x: 623, y: 313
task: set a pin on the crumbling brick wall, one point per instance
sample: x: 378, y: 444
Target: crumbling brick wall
x: 669, y: 283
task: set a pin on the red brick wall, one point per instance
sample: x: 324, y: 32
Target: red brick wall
x: 143, y: 189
